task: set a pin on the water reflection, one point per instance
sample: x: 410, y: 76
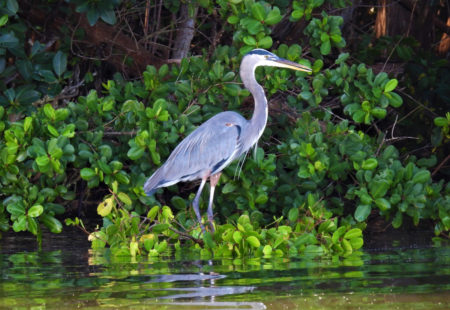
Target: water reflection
x: 78, y: 278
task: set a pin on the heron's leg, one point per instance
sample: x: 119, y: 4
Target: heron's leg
x: 195, y: 203
x: 213, y: 182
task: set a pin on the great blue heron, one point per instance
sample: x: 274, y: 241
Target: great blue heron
x: 220, y: 140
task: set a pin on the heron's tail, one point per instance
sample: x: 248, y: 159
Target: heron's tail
x: 151, y: 185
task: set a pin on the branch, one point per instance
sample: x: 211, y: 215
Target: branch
x: 440, y: 165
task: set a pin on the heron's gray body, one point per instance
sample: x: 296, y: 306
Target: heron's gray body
x: 194, y: 159
x: 220, y: 140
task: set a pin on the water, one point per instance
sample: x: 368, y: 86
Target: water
x: 67, y: 275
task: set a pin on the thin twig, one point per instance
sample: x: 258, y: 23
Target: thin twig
x: 198, y: 241
x: 120, y: 133
x: 146, y: 18
x: 440, y: 165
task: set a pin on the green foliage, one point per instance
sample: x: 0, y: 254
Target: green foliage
x: 311, y: 188
x: 324, y: 34
x: 304, y: 8
x: 130, y: 234
x: 37, y: 71
x: 94, y: 10
x: 443, y: 126
x: 251, y: 21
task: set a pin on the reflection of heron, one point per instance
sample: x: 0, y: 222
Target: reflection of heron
x: 220, y: 140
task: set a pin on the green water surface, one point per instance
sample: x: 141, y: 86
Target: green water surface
x: 76, y: 278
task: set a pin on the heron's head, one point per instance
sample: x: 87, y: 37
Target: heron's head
x: 260, y: 57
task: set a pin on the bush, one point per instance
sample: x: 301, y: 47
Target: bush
x: 311, y: 188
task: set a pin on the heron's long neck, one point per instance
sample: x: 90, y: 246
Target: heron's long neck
x: 259, y: 119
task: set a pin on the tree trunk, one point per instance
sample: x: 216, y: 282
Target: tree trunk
x: 185, y: 32
x: 407, y: 18
x: 444, y: 45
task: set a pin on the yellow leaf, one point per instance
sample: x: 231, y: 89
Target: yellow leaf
x: 105, y: 207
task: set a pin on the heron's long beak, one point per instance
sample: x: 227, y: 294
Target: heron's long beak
x: 284, y: 63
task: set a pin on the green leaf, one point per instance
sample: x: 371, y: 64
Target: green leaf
x: 258, y: 11
x: 346, y: 245
x: 8, y: 41
x: 32, y: 225
x: 391, y: 85
x: 294, y: 52
x: 378, y: 112
x: 267, y: 250
x: 178, y: 202
x: 49, y: 112
x: 35, y: 211
x: 16, y: 209
x: 273, y: 17
x: 342, y: 58
x: 353, y: 233
x: 293, y: 215
x: 324, y: 37
x: 108, y: 16
x: 167, y: 213
x: 327, y: 227
x: 161, y: 247
x: 104, y: 166
x: 159, y: 228
x: 383, y: 204
x: 253, y: 241
x: 134, y: 247
x: 52, y: 223
x: 25, y: 68
x: 233, y: 19
x: 92, y: 15
x: 27, y: 123
x: 369, y: 164
x: 125, y: 198
x: 207, y: 239
x: 265, y: 42
x: 362, y: 212
x: 438, y: 121
x: 20, y: 224
x: 306, y: 95
x: 336, y: 38
x: 378, y: 188
x: 59, y: 63
x: 228, y: 188
x: 398, y: 219
x: 237, y: 236
x: 261, y: 199
x: 249, y: 40
x: 153, y: 213
x: 87, y: 173
x: 356, y: 243
x: 52, y: 130
x: 47, y: 76
x: 135, y: 153
x: 421, y: 176
x: 252, y: 26
x: 3, y: 21
x: 12, y: 6
x: 42, y: 161
x: 297, y: 14
x: 325, y: 47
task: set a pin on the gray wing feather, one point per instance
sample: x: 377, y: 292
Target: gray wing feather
x: 207, y: 150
